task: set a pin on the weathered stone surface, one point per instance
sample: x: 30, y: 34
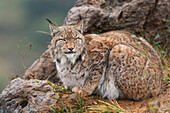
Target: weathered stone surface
x: 149, y: 18
x: 42, y: 69
x: 26, y: 96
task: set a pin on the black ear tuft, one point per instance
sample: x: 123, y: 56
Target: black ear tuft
x: 52, y: 27
x: 79, y: 27
x: 48, y: 20
x: 80, y: 17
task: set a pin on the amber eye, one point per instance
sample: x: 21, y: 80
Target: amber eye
x: 62, y: 40
x: 77, y: 39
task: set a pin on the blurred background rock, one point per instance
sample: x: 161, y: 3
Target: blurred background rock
x: 20, y: 43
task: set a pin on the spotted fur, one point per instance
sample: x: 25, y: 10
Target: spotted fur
x: 115, y: 64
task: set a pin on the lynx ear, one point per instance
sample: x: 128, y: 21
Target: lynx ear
x: 52, y: 27
x: 79, y: 26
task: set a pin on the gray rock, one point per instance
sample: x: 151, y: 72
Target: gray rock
x: 149, y: 18
x: 27, y: 96
x: 43, y: 69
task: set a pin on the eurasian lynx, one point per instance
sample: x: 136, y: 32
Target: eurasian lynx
x: 114, y: 64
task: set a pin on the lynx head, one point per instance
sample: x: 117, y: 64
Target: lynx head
x: 68, y: 42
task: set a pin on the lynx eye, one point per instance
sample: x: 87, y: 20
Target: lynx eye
x: 77, y: 39
x: 60, y: 42
x: 62, y: 39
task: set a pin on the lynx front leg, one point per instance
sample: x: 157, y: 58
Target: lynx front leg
x: 90, y: 83
x: 96, y: 60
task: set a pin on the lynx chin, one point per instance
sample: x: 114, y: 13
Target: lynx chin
x: 114, y: 64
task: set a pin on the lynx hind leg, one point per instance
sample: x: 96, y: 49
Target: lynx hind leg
x: 133, y: 73
x: 153, y: 74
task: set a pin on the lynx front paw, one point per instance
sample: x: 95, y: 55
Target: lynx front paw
x: 73, y: 96
x: 80, y: 90
x: 77, y: 89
